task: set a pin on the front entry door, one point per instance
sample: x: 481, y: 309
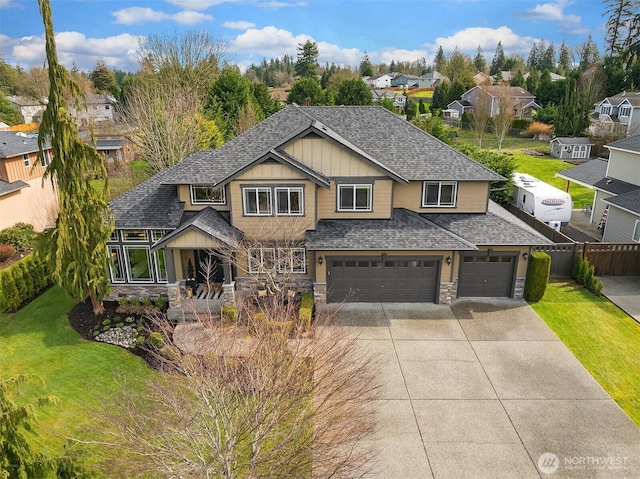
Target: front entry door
x: 208, y: 267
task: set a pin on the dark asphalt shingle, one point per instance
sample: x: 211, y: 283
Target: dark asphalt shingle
x: 630, y: 201
x: 6, y: 187
x: 588, y: 173
x: 616, y: 187
x: 631, y: 144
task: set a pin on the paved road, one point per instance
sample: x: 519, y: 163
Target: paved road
x: 484, y: 389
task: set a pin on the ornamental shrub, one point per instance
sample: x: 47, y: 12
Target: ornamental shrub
x: 304, y: 317
x: 10, y: 295
x: 537, y: 276
x: 229, y: 313
x: 6, y: 252
x: 306, y: 301
x: 20, y: 283
x: 21, y: 236
x: 28, y: 280
x: 155, y: 339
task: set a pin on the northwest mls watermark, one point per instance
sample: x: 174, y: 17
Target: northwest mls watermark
x: 549, y: 463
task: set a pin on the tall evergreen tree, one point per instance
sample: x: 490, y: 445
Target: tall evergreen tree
x: 479, y: 61
x: 498, y: 60
x: 533, y: 81
x: 588, y: 54
x: 573, y: 112
x: 353, y: 91
x: 548, y: 61
x: 76, y: 247
x: 518, y: 79
x: 620, y: 15
x: 439, y: 62
x: 564, y: 59
x: 366, y: 68
x: 307, y: 64
x: 103, y: 79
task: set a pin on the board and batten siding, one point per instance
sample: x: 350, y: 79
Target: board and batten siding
x: 193, y: 240
x: 472, y: 197
x: 272, y: 228
x: 619, y: 227
x: 624, y: 166
x: 15, y: 170
x: 330, y: 159
x: 381, y: 205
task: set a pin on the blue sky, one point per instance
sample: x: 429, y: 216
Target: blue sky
x: 109, y: 30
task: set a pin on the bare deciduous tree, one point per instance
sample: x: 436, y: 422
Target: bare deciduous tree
x: 503, y: 119
x: 480, y: 115
x: 252, y: 403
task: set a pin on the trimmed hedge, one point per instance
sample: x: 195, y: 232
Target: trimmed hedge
x: 305, y: 313
x: 537, y: 276
x: 230, y: 313
x: 21, y: 236
x: 585, y: 274
x: 23, y: 282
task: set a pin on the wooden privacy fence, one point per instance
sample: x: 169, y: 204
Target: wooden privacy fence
x: 563, y: 256
x: 614, y: 259
x: 539, y: 226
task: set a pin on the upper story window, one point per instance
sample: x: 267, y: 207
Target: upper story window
x: 135, y: 236
x: 605, y: 110
x: 207, y: 195
x: 636, y: 232
x: 439, y: 194
x: 289, y: 201
x: 625, y: 111
x: 257, y: 201
x: 26, y: 160
x: 354, y: 197
x: 45, y: 159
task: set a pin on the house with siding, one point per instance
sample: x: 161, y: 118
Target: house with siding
x: 571, y: 148
x: 24, y: 197
x: 349, y: 202
x: 522, y: 102
x: 617, y: 115
x: 616, y: 185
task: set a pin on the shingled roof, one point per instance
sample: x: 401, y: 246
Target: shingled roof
x: 587, y: 174
x: 12, y: 144
x: 630, y: 144
x: 6, y: 187
x: 627, y: 201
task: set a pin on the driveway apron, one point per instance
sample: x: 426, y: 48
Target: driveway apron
x: 484, y: 389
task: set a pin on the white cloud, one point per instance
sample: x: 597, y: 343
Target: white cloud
x: 140, y: 15
x: 198, y: 4
x: 469, y: 39
x: 239, y: 25
x: 9, y: 4
x: 397, y: 54
x: 120, y: 51
x: 555, y: 12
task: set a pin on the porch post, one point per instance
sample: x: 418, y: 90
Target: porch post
x: 171, y: 269
x: 226, y: 271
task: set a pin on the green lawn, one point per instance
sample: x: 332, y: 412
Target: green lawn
x: 38, y: 340
x: 603, y: 338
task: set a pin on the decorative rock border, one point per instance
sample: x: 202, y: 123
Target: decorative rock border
x: 124, y: 337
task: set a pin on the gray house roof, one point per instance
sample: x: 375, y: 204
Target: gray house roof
x: 406, y: 230
x: 586, y: 174
x: 13, y: 145
x: 630, y: 144
x: 6, y: 187
x: 209, y: 222
x: 496, y: 227
x: 616, y: 187
x: 628, y: 201
x: 573, y: 141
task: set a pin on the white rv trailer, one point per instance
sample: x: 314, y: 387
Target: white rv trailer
x: 547, y: 203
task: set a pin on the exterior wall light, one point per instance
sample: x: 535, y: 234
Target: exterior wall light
x: 525, y: 256
x: 448, y: 260
x: 320, y: 260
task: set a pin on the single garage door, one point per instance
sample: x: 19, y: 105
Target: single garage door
x: 374, y: 279
x: 487, y: 275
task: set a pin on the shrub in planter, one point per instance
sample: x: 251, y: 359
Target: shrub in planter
x: 537, y: 276
x: 229, y: 313
x: 20, y: 284
x: 304, y: 317
x: 306, y: 301
x: 6, y: 252
x: 28, y: 279
x: 21, y: 236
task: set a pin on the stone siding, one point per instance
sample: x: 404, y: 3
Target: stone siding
x: 130, y: 291
x: 519, y: 289
x: 299, y: 284
x: 320, y: 293
x: 448, y: 291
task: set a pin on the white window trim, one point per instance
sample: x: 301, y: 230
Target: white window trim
x: 625, y: 111
x: 439, y: 183
x: 636, y: 231
x: 257, y: 190
x: 158, y: 234
x: 356, y: 186
x: 130, y: 278
x: 194, y: 201
x: 289, y: 189
x: 26, y: 160
x: 286, y: 263
x: 157, y: 268
x: 605, y: 110
x: 144, y: 239
x: 123, y: 268
x: 261, y: 268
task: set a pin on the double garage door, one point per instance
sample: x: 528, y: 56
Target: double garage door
x: 383, y: 279
x: 487, y: 274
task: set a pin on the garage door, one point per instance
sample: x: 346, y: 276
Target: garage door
x: 374, y: 279
x: 487, y: 275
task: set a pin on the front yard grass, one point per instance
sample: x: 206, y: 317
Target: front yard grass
x: 38, y: 340
x: 604, y: 339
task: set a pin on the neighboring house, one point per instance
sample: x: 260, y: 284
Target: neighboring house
x: 432, y: 79
x: 352, y: 203
x: 617, y: 115
x: 115, y: 148
x: 482, y: 78
x: 98, y: 108
x: 522, y: 102
x: 399, y: 100
x: 381, y: 81
x: 24, y: 197
x: 405, y: 80
x: 571, y: 148
x: 30, y: 109
x: 616, y: 185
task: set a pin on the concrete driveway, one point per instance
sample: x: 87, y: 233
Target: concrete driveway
x: 624, y: 292
x: 484, y: 389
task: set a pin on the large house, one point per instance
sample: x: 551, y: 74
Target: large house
x: 24, y: 197
x: 522, y: 102
x: 97, y: 108
x: 352, y: 203
x: 617, y: 115
x: 616, y: 185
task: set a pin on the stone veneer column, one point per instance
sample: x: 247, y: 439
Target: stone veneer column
x: 175, y: 296
x: 518, y: 291
x: 229, y: 293
x: 448, y: 291
x: 320, y: 293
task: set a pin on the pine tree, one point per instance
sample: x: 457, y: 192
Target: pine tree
x: 103, y: 79
x: 564, y: 59
x: 498, y: 60
x: 366, y: 68
x: 307, y: 64
x: 479, y: 61
x: 439, y: 62
x: 77, y: 245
